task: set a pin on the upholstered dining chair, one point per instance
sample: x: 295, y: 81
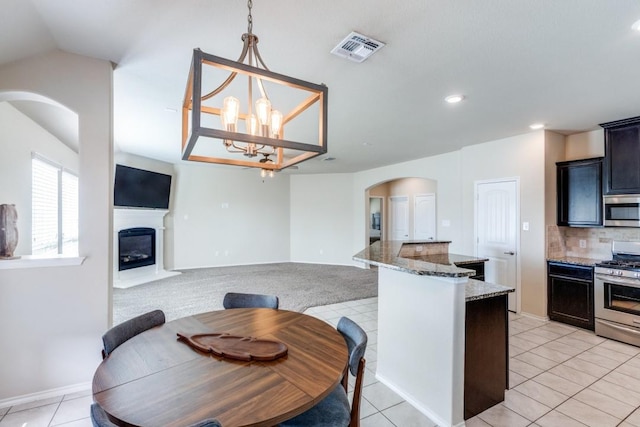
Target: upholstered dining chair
x: 130, y: 328
x: 333, y: 410
x: 238, y: 300
x: 99, y: 418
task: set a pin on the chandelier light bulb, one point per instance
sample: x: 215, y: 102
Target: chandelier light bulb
x: 263, y: 110
x: 230, y: 111
x: 276, y: 123
x: 271, y: 174
x: 263, y: 173
x: 636, y: 26
x: 252, y: 124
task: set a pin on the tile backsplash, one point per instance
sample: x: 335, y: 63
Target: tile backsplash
x: 565, y: 241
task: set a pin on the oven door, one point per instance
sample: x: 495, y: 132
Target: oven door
x: 622, y: 211
x: 617, y: 308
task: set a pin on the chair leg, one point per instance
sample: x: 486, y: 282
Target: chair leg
x: 345, y: 380
x: 357, y: 392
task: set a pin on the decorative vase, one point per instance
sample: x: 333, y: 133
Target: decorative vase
x: 8, y: 231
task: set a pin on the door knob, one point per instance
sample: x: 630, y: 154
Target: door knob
x: 510, y: 253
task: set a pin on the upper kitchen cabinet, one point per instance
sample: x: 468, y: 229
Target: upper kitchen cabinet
x: 580, y: 193
x: 622, y: 156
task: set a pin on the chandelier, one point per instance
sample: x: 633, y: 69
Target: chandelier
x: 252, y: 129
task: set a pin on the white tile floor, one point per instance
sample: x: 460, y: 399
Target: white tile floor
x: 559, y: 376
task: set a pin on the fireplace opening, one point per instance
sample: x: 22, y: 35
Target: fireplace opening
x: 136, y: 247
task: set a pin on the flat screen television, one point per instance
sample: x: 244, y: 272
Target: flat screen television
x: 138, y: 188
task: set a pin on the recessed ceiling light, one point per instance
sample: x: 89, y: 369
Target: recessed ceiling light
x: 328, y: 159
x: 636, y: 25
x: 537, y: 126
x: 454, y: 99
x: 366, y: 144
x: 170, y: 110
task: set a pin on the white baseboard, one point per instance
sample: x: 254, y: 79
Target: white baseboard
x: 140, y: 280
x: 533, y: 316
x: 32, y: 397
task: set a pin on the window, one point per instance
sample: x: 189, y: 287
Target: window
x: 54, y: 208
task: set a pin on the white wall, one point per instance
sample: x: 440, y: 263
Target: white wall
x: 445, y: 169
x: 322, y: 218
x: 228, y: 216
x: 19, y: 137
x: 585, y: 145
x: 520, y: 156
x: 51, y: 319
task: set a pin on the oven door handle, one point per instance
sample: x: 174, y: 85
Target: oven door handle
x: 634, y: 283
x: 621, y: 328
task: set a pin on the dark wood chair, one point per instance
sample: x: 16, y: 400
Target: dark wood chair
x: 130, y: 328
x: 99, y: 418
x: 333, y: 410
x: 238, y: 300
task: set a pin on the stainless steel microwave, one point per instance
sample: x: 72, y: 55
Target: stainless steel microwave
x: 622, y: 211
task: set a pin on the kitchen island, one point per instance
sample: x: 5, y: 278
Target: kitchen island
x: 429, y: 313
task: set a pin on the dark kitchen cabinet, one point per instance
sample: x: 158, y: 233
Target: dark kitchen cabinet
x: 622, y: 156
x: 570, y: 294
x: 579, y: 193
x: 478, y: 267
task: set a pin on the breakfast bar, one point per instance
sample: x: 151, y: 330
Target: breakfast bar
x: 442, y: 337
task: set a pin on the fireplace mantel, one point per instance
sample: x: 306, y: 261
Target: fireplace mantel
x: 131, y: 218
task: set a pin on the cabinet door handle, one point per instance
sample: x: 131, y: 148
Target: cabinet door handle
x: 510, y: 253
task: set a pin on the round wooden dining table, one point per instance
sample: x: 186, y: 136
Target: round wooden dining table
x: 153, y: 379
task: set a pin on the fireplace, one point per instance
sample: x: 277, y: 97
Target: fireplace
x: 136, y: 247
x: 143, y: 231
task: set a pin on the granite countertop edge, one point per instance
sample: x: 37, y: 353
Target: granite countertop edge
x: 478, y: 290
x: 386, y: 256
x: 588, y: 262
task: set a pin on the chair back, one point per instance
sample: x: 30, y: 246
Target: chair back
x: 210, y: 422
x: 132, y: 327
x: 356, y: 339
x: 99, y: 418
x: 238, y: 300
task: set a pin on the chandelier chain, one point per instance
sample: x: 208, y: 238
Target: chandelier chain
x: 249, y: 17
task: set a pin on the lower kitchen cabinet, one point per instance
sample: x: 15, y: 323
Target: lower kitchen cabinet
x: 570, y: 294
x: 477, y: 266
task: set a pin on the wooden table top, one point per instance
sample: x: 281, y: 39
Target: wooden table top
x: 155, y: 380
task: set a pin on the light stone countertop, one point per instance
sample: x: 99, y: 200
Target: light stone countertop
x: 477, y: 290
x: 385, y: 254
x: 587, y: 262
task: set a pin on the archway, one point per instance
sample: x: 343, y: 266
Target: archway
x: 39, y: 138
x: 402, y: 195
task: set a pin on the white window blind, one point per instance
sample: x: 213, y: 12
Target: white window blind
x: 54, y: 218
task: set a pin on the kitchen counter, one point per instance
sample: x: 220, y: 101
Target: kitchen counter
x: 386, y: 254
x: 587, y: 262
x: 476, y: 290
x: 429, y: 308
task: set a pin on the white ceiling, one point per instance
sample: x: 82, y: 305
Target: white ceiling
x: 570, y: 64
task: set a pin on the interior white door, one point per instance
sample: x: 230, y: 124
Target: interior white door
x: 424, y: 217
x: 496, y: 231
x: 399, y: 209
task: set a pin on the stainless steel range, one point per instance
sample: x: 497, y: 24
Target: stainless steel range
x: 617, y: 294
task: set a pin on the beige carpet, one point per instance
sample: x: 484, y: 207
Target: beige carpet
x: 298, y: 286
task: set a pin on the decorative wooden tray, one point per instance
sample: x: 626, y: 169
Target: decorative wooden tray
x: 235, y: 347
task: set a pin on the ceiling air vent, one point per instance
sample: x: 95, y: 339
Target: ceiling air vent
x: 357, y: 47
